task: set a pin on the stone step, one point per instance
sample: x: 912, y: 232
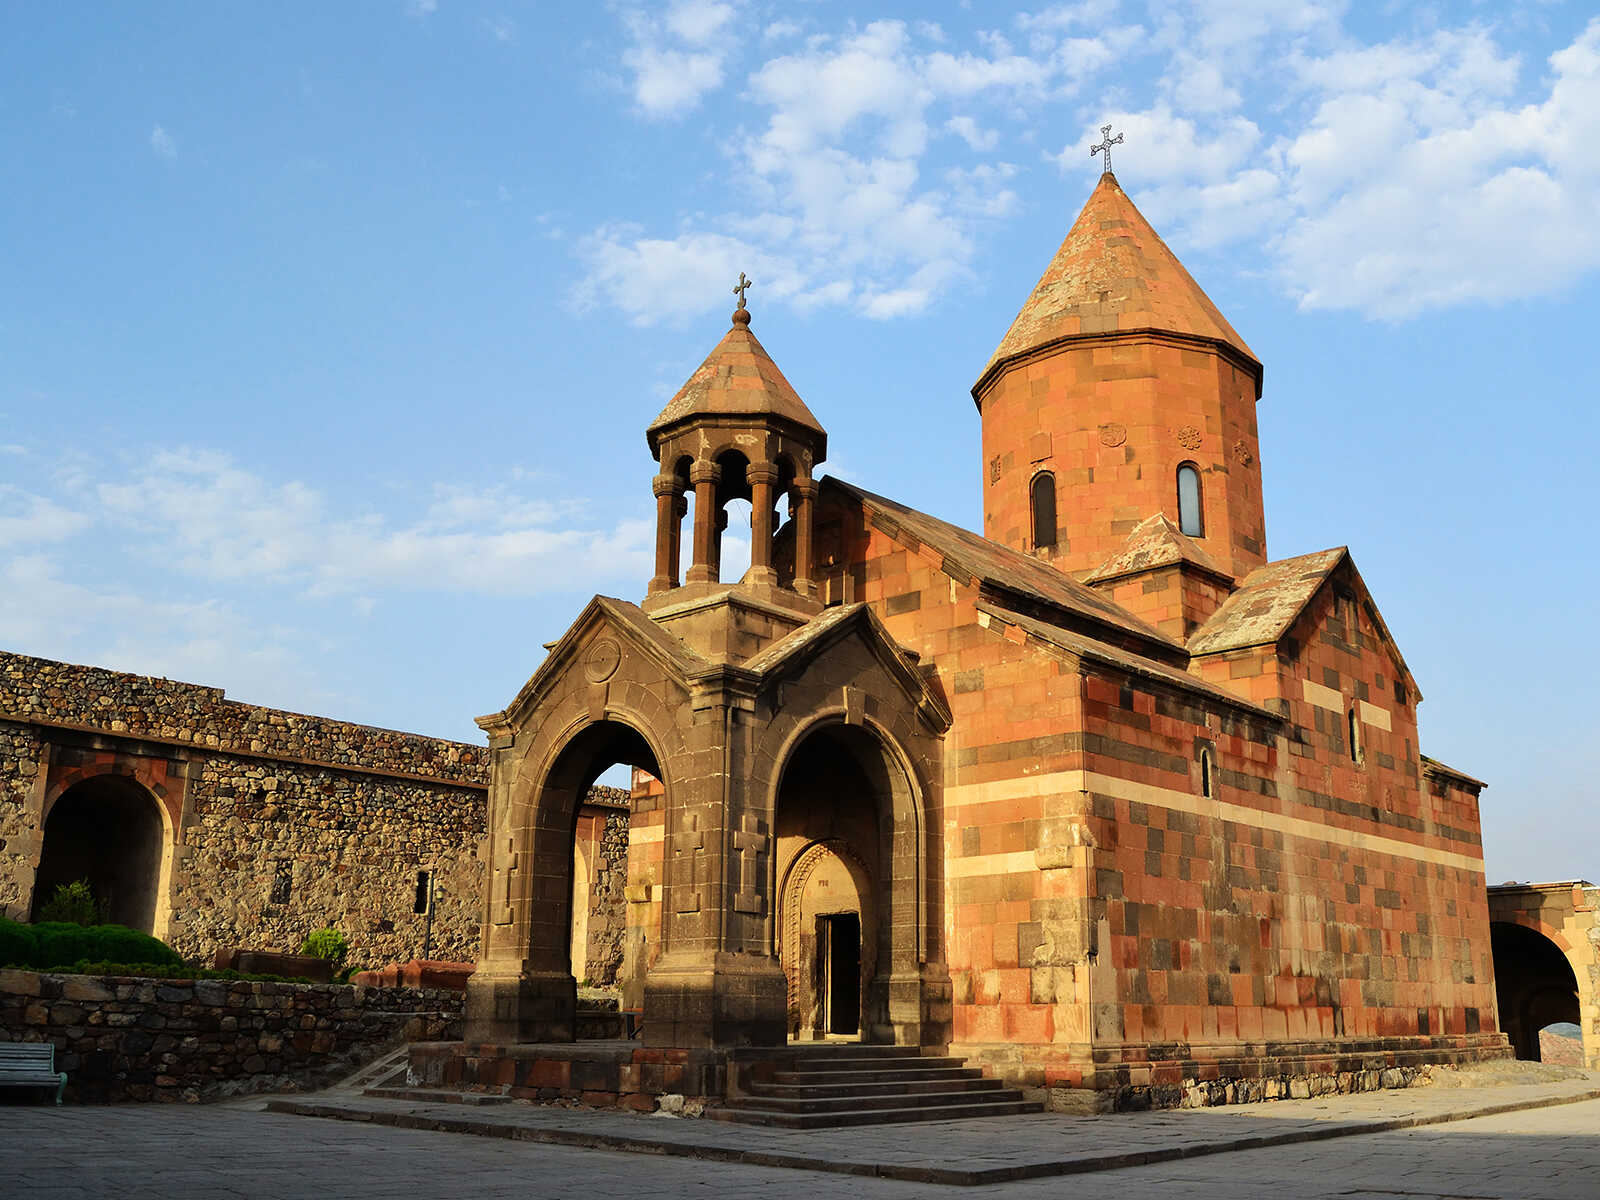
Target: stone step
x: 969, y: 1081
x: 438, y: 1095
x: 898, y: 1100
x: 863, y: 1062
x: 876, y: 1116
x: 951, y: 1070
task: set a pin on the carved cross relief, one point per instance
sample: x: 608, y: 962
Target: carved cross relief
x: 689, y: 851
x: 750, y: 842
x: 503, y: 871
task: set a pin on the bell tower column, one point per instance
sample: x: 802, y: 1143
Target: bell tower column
x: 704, y: 476
x: 667, y: 517
x: 805, y: 507
x: 762, y: 477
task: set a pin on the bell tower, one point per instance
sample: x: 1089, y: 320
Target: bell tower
x: 736, y: 430
x: 1120, y: 392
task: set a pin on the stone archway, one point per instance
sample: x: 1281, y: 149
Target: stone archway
x: 107, y: 829
x: 1535, y: 984
x: 846, y: 815
x: 827, y: 940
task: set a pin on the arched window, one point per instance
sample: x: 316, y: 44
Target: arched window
x: 1043, y: 495
x: 1355, y: 735
x: 1191, y: 513
x: 1208, y: 773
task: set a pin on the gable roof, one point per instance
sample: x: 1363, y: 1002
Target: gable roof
x: 1266, y: 604
x: 831, y: 627
x: 738, y: 378
x: 1155, y: 542
x: 1114, y: 274
x: 1042, y: 632
x: 628, y: 620
x: 977, y: 560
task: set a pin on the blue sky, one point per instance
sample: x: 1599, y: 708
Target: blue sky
x: 329, y: 333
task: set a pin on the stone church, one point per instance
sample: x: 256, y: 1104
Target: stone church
x: 1101, y: 797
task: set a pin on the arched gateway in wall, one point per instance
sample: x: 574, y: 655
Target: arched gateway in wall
x: 107, y: 830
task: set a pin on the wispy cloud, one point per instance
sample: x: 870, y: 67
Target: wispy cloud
x: 501, y: 28
x: 222, y: 522
x: 676, y: 55
x: 163, y: 143
x: 418, y: 9
x: 1385, y: 175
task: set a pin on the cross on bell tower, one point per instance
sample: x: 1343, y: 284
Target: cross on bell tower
x: 1106, y: 143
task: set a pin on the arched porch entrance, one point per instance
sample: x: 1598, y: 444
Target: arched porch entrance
x: 108, y: 830
x: 1535, y: 984
x: 849, y: 869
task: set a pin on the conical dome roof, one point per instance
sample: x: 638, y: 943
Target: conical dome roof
x: 1113, y: 274
x: 738, y: 378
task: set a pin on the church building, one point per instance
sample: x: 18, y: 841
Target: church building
x: 1102, y: 798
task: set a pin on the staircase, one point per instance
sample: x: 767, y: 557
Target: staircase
x: 830, y: 1086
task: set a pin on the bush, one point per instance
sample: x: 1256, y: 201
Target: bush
x: 17, y: 944
x: 60, y: 944
x: 154, y: 971
x: 72, y: 904
x: 326, y: 943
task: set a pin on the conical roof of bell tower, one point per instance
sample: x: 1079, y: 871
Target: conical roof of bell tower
x: 1113, y: 274
x: 739, y: 379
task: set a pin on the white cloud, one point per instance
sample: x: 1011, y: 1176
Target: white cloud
x: 839, y: 208
x: 419, y: 9
x: 677, y: 56
x: 221, y: 522
x: 200, y: 641
x: 502, y: 29
x: 26, y: 519
x: 1380, y: 174
x: 163, y: 143
x: 969, y: 131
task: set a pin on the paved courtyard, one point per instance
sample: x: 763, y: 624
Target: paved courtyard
x: 237, y: 1149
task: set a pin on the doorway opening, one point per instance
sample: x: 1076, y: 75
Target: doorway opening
x: 106, y: 830
x: 839, y: 971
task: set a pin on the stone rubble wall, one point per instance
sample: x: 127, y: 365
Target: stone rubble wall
x: 37, y: 689
x: 19, y: 834
x: 608, y: 905
x: 126, y: 1039
x: 339, y: 848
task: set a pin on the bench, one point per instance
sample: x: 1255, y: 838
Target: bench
x: 31, y: 1064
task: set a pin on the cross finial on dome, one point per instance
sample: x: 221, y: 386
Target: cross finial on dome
x: 741, y: 315
x: 1107, y: 142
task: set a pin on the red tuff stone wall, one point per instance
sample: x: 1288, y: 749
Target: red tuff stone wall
x: 1113, y: 419
x: 1176, y: 600
x: 1313, y: 922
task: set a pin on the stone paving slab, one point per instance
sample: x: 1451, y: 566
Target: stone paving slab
x: 964, y: 1152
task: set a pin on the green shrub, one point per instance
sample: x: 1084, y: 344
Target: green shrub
x: 73, y: 904
x: 56, y: 944
x: 326, y: 943
x: 154, y: 971
x: 17, y: 944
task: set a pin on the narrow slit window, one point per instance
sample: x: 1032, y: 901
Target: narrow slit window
x: 1208, y: 781
x: 1044, y: 509
x: 1355, y: 736
x: 1191, y: 514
